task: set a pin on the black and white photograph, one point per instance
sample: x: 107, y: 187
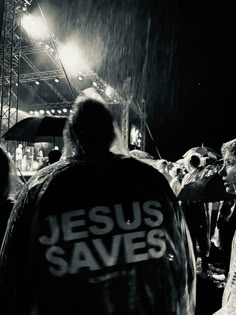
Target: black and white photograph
x: 117, y: 157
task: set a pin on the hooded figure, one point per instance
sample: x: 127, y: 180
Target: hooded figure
x: 97, y: 232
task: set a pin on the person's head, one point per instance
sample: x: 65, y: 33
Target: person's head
x: 193, y: 162
x: 228, y: 170
x: 90, y: 127
x: 178, y: 172
x: 54, y: 156
x: 4, y: 174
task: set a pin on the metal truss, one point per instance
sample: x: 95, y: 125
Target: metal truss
x: 9, y: 65
x: 41, y: 75
x: 11, y: 53
x: 51, y: 86
x: 73, y: 79
x: 49, y: 106
x: 125, y: 113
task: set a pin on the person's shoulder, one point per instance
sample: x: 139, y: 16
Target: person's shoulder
x: 47, y: 172
x: 145, y: 170
x: 134, y: 162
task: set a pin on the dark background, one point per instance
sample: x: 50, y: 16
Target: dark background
x: 182, y: 67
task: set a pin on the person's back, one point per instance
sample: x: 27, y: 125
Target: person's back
x: 106, y: 236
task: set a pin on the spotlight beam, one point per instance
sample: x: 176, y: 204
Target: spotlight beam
x: 54, y: 45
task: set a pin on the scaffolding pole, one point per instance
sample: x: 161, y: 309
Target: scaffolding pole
x: 10, y: 47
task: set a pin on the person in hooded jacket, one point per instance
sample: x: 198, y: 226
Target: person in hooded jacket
x: 97, y: 232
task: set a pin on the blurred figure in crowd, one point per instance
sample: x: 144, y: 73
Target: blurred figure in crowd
x: 9, y: 187
x: 197, y: 214
x: 175, y: 183
x: 19, y: 156
x: 162, y: 167
x: 228, y: 173
x: 28, y: 156
x: 193, y: 167
x: 87, y: 236
x: 54, y: 156
x: 226, y: 223
x: 40, y: 157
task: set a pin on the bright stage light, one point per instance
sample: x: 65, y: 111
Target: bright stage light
x: 72, y: 58
x: 34, y: 26
x: 135, y: 136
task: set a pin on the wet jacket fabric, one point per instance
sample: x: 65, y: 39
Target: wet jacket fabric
x: 5, y: 210
x: 97, y: 237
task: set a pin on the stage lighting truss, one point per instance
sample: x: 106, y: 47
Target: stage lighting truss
x: 50, y: 45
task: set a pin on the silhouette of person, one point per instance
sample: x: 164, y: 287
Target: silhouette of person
x: 19, y: 156
x: 91, y: 237
x: 54, y: 156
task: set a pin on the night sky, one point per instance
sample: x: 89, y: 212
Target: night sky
x: 206, y: 76
x: 179, y: 55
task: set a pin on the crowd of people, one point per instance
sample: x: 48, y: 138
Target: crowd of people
x: 101, y: 230
x: 32, y: 158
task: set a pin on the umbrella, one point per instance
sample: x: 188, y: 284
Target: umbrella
x: 203, y: 151
x: 36, y: 129
x: 207, y: 189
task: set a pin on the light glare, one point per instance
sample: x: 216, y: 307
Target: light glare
x: 72, y: 58
x: 34, y: 26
